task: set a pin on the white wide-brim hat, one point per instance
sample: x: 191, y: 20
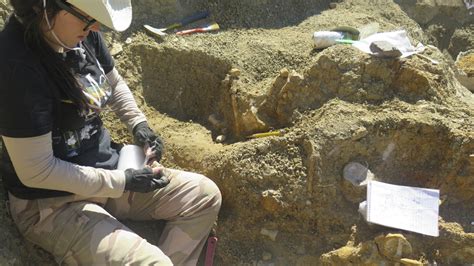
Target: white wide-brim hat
x: 115, y: 14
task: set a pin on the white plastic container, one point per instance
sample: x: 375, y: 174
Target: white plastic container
x: 324, y: 39
x: 358, y: 174
x: 131, y: 156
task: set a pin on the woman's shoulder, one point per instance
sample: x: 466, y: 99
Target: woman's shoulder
x: 13, y: 49
x: 16, y: 60
x: 97, y: 44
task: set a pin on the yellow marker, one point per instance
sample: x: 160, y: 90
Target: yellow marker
x: 266, y: 134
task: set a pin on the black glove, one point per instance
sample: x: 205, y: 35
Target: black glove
x: 143, y: 135
x: 144, y: 180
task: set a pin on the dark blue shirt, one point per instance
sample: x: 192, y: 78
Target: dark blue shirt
x: 30, y: 107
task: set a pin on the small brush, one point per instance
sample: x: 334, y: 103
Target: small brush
x: 211, y: 27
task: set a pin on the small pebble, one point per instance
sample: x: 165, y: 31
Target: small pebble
x: 384, y: 49
x: 220, y: 138
x: 234, y: 72
x: 284, y: 73
x: 266, y: 256
x: 128, y: 41
x: 272, y: 234
x: 116, y: 49
x: 359, y: 133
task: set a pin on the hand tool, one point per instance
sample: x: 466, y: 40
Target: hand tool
x: 210, y: 252
x: 185, y: 21
x: 211, y: 27
x: 266, y: 134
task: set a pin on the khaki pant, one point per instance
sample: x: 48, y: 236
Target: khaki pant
x: 85, y: 231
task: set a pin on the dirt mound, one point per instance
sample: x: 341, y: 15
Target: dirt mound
x: 285, y: 201
x: 447, y: 22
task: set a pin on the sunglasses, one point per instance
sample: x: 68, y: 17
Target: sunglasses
x: 73, y: 11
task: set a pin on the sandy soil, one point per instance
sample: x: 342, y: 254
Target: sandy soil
x: 285, y: 200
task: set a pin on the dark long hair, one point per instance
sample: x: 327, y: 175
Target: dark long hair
x: 31, y: 15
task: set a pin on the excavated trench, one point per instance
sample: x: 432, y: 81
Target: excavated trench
x: 185, y: 85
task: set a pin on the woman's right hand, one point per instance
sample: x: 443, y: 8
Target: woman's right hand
x: 145, y: 180
x: 147, y: 139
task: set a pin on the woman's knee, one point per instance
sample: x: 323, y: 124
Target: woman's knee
x: 212, y: 192
x: 204, y: 189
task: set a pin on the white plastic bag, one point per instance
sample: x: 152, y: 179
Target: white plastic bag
x: 398, y: 39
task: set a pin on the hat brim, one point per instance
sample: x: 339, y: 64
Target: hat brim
x: 114, y: 14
